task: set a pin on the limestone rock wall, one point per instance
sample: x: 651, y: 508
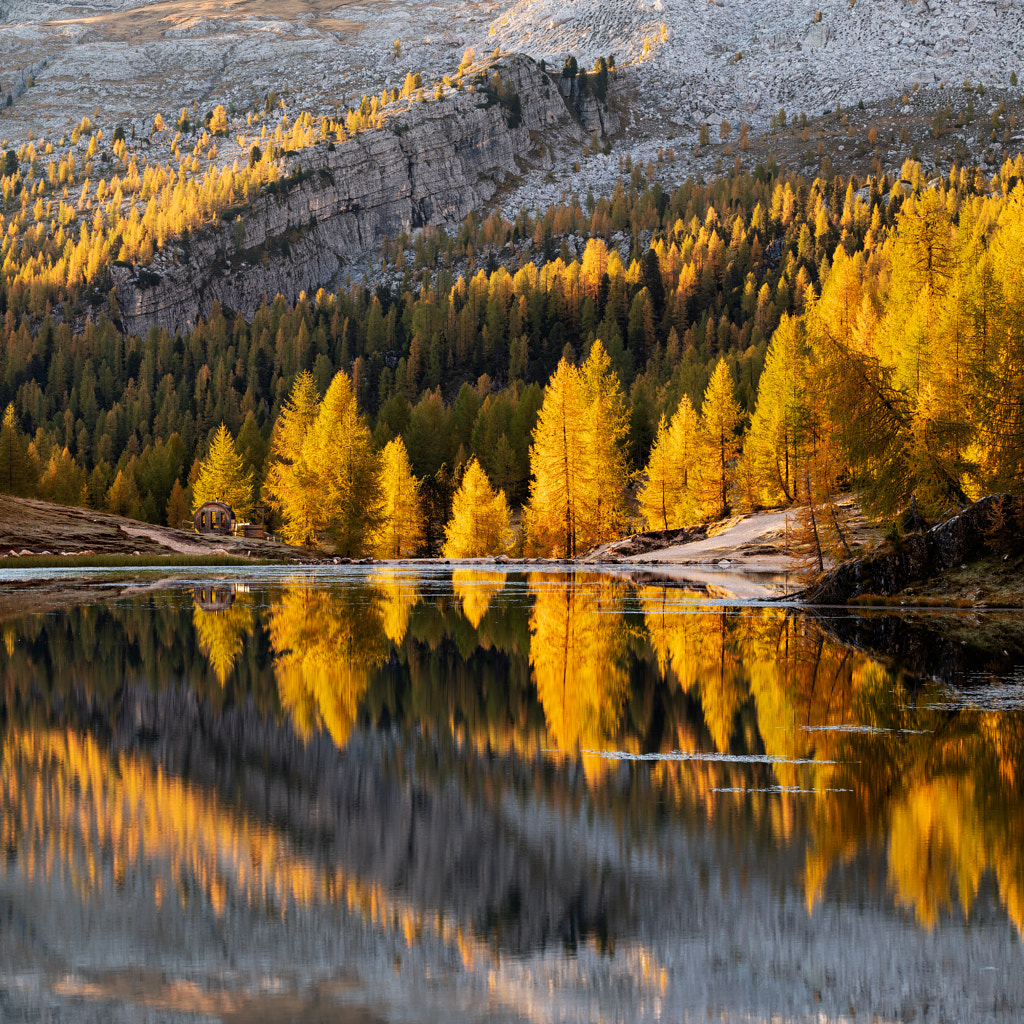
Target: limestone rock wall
x: 430, y: 164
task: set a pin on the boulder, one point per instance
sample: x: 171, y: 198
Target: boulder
x: 817, y: 36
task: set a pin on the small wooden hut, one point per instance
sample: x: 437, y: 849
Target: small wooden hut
x: 214, y: 597
x: 214, y: 517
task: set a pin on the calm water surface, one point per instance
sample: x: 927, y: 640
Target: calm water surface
x: 423, y: 794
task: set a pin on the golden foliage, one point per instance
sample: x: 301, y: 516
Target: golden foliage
x: 398, y: 597
x: 556, y: 465
x: 323, y: 477
x: 401, y: 529
x: 325, y: 643
x: 578, y: 658
x: 290, y: 486
x: 223, y: 477
x: 578, y: 460
x: 338, y: 450
x: 668, y: 497
x: 475, y: 590
x: 222, y: 634
x: 720, y: 420
x: 480, y: 518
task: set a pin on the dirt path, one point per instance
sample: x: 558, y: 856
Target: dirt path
x: 169, y: 539
x: 754, y: 543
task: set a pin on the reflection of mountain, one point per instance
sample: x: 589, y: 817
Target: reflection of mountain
x: 274, y: 850
x: 457, y: 812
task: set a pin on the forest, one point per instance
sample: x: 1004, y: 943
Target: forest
x: 756, y: 340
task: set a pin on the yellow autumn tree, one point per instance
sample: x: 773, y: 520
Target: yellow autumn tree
x: 223, y: 477
x: 578, y: 460
x: 324, y: 475
x: 339, y: 451
x: 553, y: 518
x: 668, y: 498
x: 290, y: 486
x: 401, y: 530
x: 219, y: 121
x: 775, y: 447
x: 605, y: 469
x: 720, y: 419
x: 480, y: 518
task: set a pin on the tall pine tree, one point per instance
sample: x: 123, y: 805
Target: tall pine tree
x: 223, y: 477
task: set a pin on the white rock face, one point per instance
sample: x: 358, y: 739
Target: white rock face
x: 751, y: 57
x: 741, y: 59
x: 817, y: 36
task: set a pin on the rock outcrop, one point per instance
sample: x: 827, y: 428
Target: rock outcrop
x: 920, y: 555
x: 429, y: 164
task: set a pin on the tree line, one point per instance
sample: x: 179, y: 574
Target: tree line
x: 66, y: 219
x: 906, y: 404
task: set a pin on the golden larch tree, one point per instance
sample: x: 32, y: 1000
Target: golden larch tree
x: 290, y: 486
x: 223, y: 477
x: 776, y: 444
x: 720, y: 420
x: 401, y: 530
x: 339, y: 451
x: 556, y: 464
x: 605, y: 475
x: 655, y: 492
x: 668, y: 498
x: 480, y: 518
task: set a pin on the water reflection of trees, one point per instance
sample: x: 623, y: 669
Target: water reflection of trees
x: 326, y: 641
x: 579, y: 658
x: 222, y: 626
x: 75, y: 817
x: 97, y: 650
x: 862, y: 757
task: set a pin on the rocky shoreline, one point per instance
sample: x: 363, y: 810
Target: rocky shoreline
x: 988, y: 528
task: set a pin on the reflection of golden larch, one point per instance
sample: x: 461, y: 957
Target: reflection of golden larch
x: 398, y: 598
x: 475, y: 590
x: 325, y: 644
x: 578, y: 655
x: 222, y: 634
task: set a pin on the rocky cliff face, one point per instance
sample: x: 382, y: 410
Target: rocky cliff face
x: 980, y: 529
x: 430, y: 164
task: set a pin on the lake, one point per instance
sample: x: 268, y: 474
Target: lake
x: 448, y: 793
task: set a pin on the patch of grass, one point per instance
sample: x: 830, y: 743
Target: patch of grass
x: 127, y: 561
x: 910, y: 601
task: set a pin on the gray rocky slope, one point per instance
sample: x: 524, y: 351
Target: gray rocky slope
x: 430, y: 164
